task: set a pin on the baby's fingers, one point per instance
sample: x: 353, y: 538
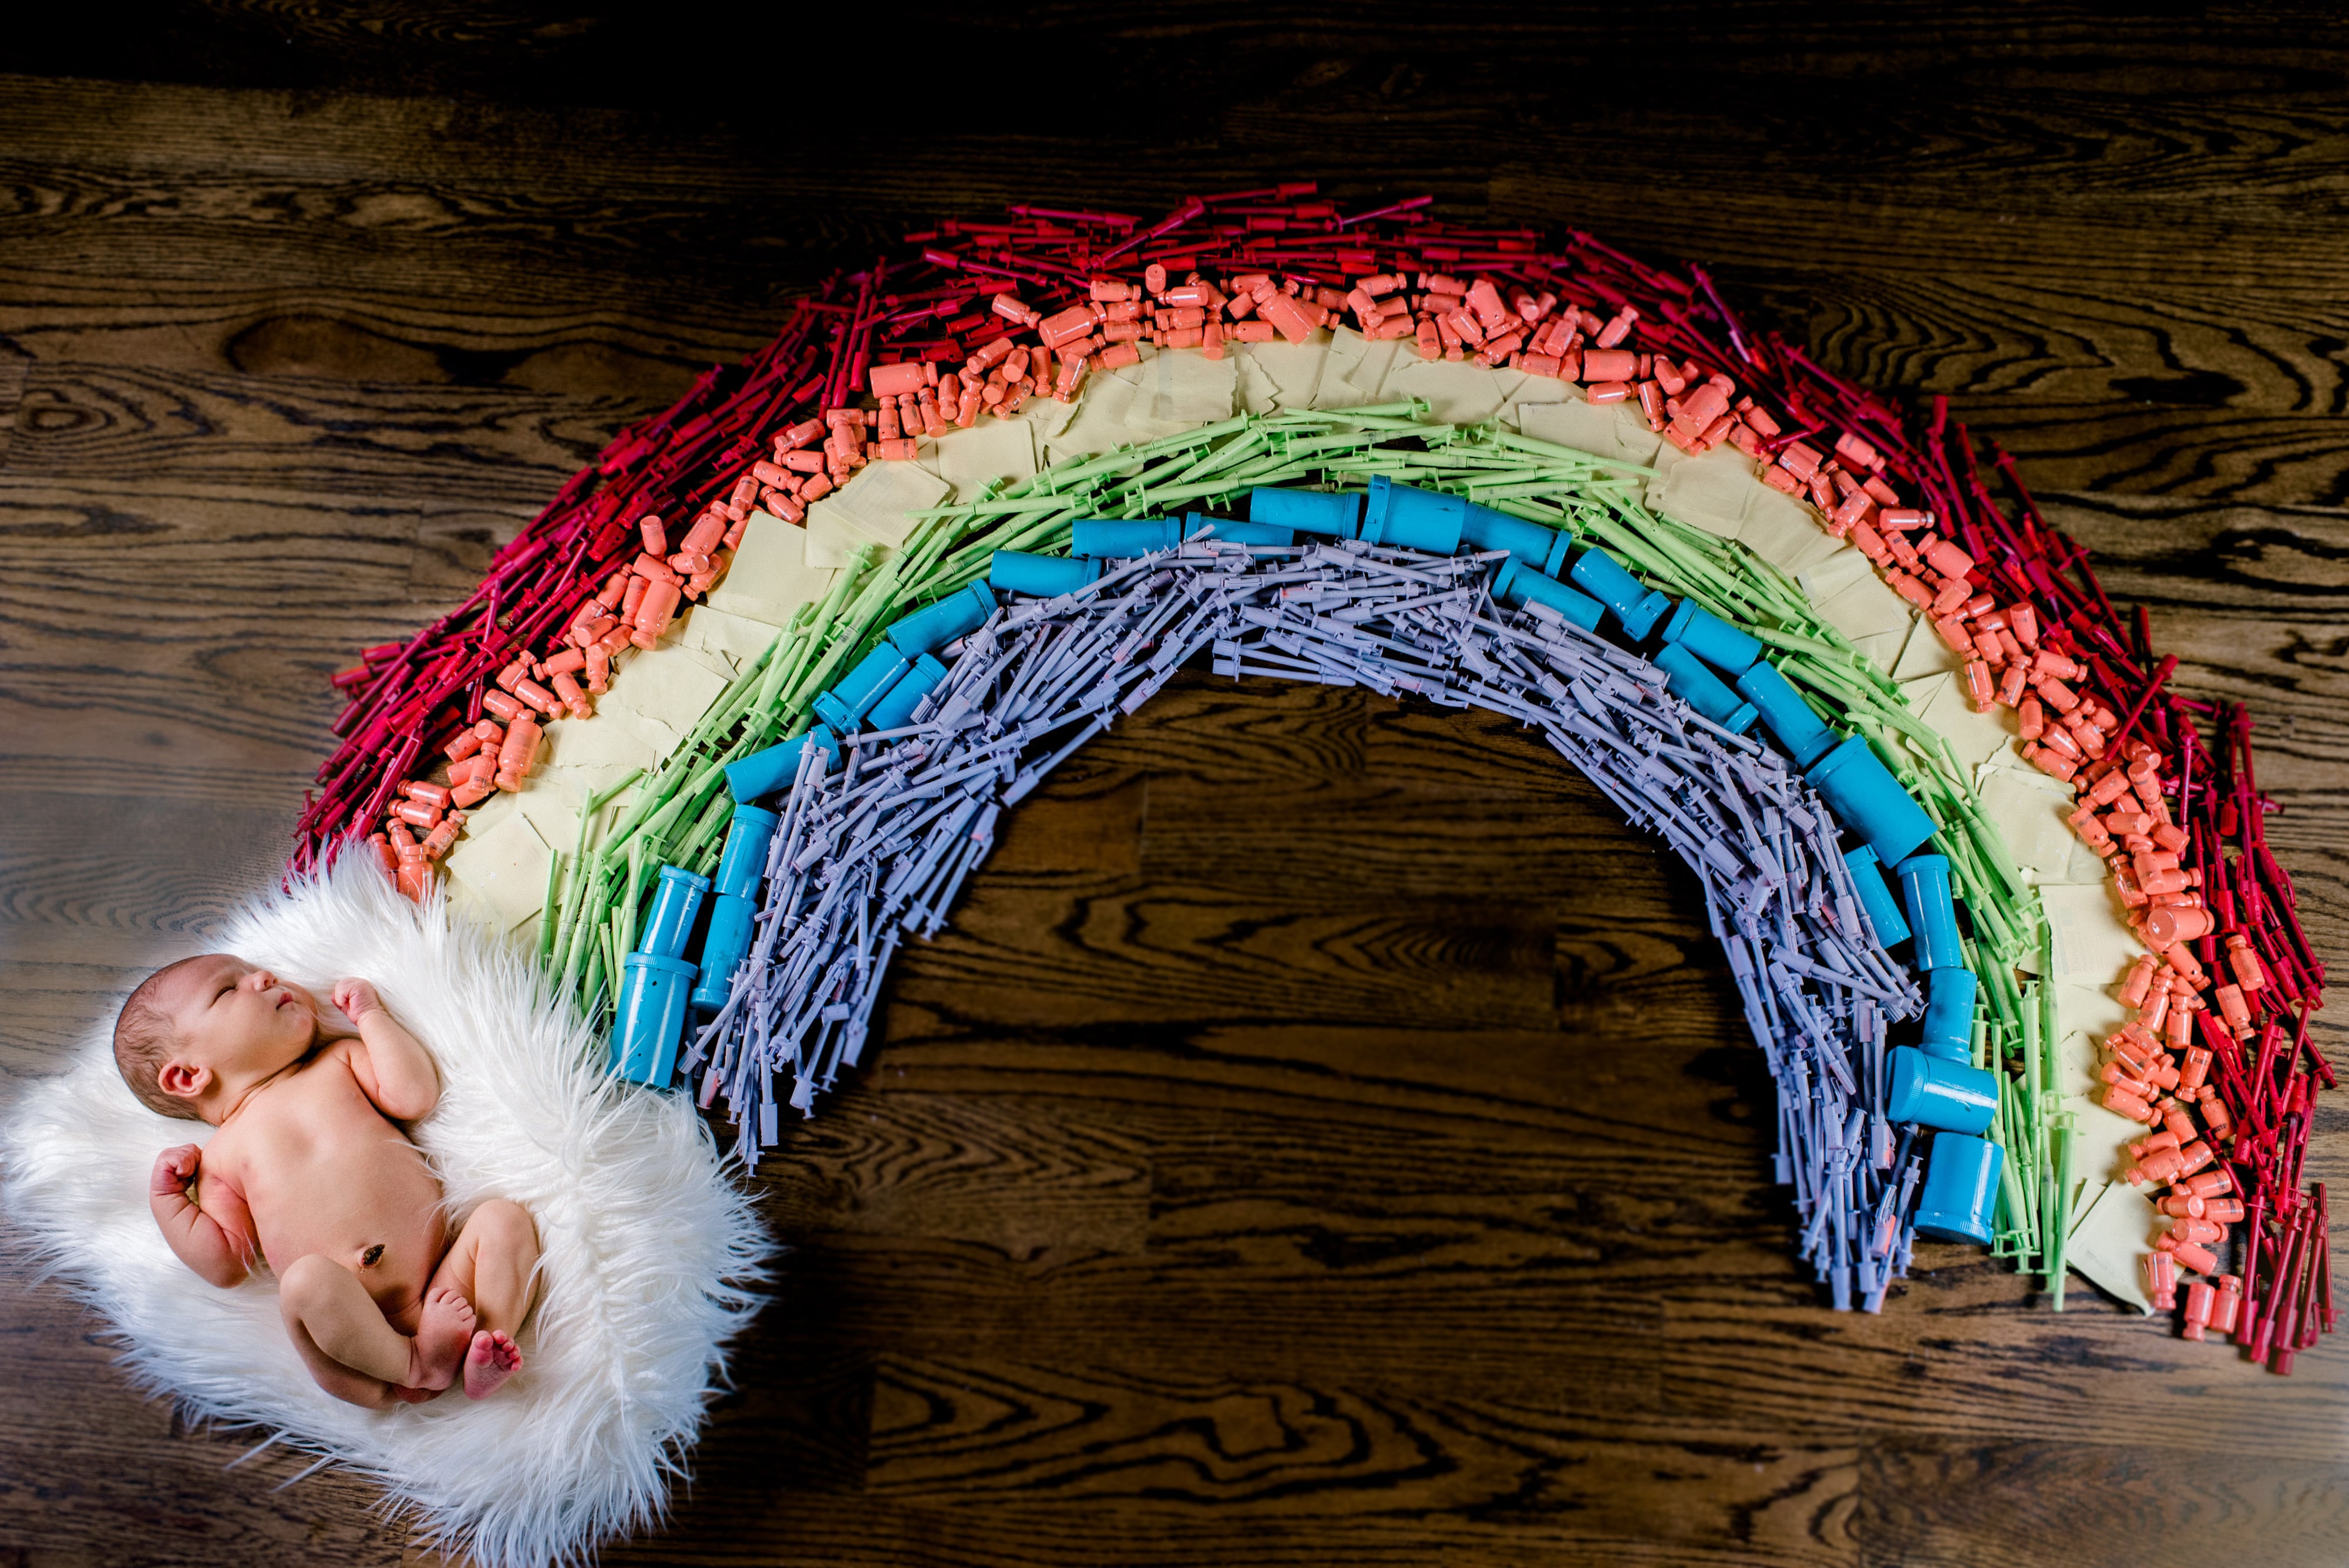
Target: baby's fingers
x: 174, y: 1166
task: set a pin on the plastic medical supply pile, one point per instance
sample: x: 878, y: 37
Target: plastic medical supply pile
x: 879, y: 828
x: 2218, y: 1056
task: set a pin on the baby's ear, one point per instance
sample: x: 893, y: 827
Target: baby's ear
x: 183, y: 1080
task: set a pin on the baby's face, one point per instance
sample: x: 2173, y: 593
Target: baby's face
x: 237, y: 1018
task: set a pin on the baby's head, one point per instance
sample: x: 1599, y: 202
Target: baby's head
x: 197, y: 1033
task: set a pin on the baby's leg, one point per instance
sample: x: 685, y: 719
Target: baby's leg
x: 494, y: 1263
x: 343, y: 1338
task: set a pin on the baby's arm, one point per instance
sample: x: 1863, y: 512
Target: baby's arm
x: 193, y: 1234
x: 397, y: 1072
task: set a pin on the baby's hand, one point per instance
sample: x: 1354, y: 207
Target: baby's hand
x: 174, y: 1168
x: 356, y: 998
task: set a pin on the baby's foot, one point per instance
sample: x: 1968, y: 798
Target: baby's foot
x: 416, y: 1395
x: 491, y: 1361
x: 441, y: 1337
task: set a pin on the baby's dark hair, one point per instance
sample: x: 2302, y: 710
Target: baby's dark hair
x: 143, y: 1042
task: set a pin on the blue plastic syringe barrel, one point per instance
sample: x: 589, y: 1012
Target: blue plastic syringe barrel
x: 1932, y: 914
x: 1960, y: 1192
x: 1883, y: 908
x: 1711, y: 638
x: 1955, y: 1097
x: 1118, y: 539
x: 844, y: 706
x: 1333, y: 513
x: 723, y: 947
x: 1693, y: 683
x: 1603, y: 578
x: 1405, y: 517
x: 958, y: 614
x: 1408, y: 517
x: 1238, y: 530
x: 1800, y: 731
x: 895, y: 709
x: 743, y: 861
x: 1866, y: 799
x: 677, y: 899
x: 1044, y: 576
x: 650, y: 1015
x: 763, y: 773
x: 1543, y: 548
x: 1949, y: 1032
x: 1518, y: 584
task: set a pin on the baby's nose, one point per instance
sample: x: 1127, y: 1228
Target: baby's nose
x: 260, y: 980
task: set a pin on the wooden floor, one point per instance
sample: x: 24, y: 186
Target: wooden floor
x: 1326, y: 1137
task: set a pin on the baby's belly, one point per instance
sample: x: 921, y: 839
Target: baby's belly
x: 376, y: 1212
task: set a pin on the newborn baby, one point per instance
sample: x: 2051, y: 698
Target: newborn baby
x: 311, y: 1171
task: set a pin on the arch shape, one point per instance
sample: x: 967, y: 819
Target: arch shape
x: 1552, y: 510
x: 1899, y: 514
x: 962, y: 707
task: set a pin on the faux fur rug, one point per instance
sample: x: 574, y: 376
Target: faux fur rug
x: 650, y: 1251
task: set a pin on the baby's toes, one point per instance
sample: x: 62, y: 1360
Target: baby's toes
x: 447, y: 1312
x: 491, y: 1360
x: 443, y: 1334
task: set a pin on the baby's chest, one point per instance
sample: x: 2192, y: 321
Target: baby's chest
x: 323, y: 1099
x: 320, y: 1125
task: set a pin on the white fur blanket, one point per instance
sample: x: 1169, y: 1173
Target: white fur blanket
x: 650, y: 1251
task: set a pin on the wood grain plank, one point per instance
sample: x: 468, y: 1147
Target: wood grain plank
x: 604, y: 338
x: 1977, y: 340
x: 2111, y: 393
x: 2173, y: 1502
x: 1020, y: 1176
x: 1037, y: 1442
x: 399, y: 441
x: 1611, y: 1170
x: 1386, y: 840
x: 101, y: 864
x: 180, y: 635
x: 911, y: 1537
x: 1156, y: 955
x: 1477, y: 1319
x: 946, y: 1028
x: 509, y: 52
